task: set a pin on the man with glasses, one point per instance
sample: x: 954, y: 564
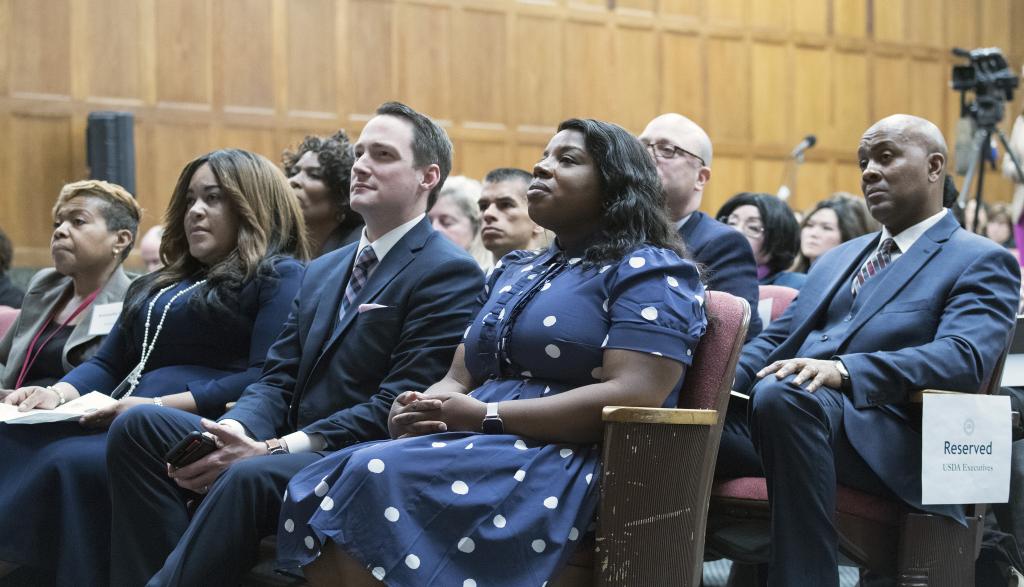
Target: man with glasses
x: 682, y: 152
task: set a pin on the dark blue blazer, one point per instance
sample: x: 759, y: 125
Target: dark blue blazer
x: 939, y: 318
x: 339, y: 379
x: 727, y: 259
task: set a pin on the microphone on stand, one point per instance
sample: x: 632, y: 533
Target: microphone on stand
x: 798, y: 157
x: 808, y: 142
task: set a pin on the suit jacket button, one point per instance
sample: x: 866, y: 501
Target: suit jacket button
x: 824, y: 337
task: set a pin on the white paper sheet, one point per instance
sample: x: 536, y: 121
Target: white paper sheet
x: 73, y: 410
x: 965, y: 449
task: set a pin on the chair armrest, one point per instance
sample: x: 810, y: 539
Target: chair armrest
x: 659, y: 416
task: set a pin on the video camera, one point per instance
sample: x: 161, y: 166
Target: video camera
x: 989, y: 76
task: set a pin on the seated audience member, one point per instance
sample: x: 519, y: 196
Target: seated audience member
x: 191, y: 336
x: 771, y: 229
x: 606, y: 316
x: 999, y: 228
x: 319, y: 171
x: 831, y: 223
x: 922, y: 304
x: 95, y: 225
x: 370, y: 321
x: 682, y: 153
x: 455, y: 213
x: 507, y: 225
x: 149, y: 248
x: 1010, y: 171
x: 10, y: 294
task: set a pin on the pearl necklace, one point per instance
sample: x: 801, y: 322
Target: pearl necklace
x: 136, y: 374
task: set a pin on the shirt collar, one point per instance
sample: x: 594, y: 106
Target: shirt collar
x: 385, y: 243
x: 906, y: 238
x: 682, y: 221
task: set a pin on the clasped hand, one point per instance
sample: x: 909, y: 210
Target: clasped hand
x: 415, y: 414
x: 102, y: 417
x: 817, y: 372
x: 231, y: 446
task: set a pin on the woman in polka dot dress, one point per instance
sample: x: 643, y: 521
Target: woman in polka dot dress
x: 608, y: 315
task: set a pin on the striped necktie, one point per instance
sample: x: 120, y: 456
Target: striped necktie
x: 365, y: 263
x: 874, y: 265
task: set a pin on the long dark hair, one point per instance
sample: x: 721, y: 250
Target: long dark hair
x: 270, y: 226
x: 854, y: 220
x: 634, y: 207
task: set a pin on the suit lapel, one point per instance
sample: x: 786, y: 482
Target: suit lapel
x: 903, y: 270
x: 397, y: 258
x: 330, y: 302
x: 691, y: 225
x: 849, y: 259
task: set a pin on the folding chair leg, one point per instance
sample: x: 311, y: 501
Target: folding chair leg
x: 937, y: 551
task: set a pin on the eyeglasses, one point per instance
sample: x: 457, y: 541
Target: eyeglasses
x: 667, y: 151
x: 750, y: 228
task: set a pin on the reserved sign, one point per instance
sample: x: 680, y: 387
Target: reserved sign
x: 965, y: 449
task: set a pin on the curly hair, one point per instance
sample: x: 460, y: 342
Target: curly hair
x: 634, y: 207
x: 334, y: 153
x: 270, y: 226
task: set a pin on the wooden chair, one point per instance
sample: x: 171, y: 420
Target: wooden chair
x: 658, y: 466
x: 886, y: 537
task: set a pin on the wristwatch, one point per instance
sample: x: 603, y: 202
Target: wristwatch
x: 843, y: 373
x: 492, y: 423
x: 276, y: 447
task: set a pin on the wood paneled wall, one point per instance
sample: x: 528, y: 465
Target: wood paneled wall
x: 259, y: 74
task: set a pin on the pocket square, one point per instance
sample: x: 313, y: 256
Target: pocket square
x: 367, y: 307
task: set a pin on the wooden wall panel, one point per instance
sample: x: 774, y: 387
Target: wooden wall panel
x: 483, y: 66
x: 42, y: 41
x: 372, y: 54
x: 246, y: 52
x: 770, y: 92
x: 850, y: 18
x: 537, y: 89
x: 728, y: 83
x: 183, y: 53
x: 113, y: 69
x: 589, y: 87
x: 636, y: 57
x: 682, y: 75
x: 425, y: 81
x: 499, y: 74
x: 311, y: 70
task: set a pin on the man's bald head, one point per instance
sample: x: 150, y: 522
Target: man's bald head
x: 684, y: 175
x: 913, y: 129
x: 903, y: 163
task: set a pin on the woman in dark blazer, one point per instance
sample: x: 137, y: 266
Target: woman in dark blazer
x: 95, y: 226
x: 191, y: 336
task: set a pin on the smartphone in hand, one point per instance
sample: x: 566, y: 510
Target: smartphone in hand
x: 190, y: 449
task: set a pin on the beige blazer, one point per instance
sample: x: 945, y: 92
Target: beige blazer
x: 1017, y: 144
x: 43, y: 294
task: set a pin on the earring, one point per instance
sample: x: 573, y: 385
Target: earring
x: 117, y: 252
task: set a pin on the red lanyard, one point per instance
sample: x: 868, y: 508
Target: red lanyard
x: 34, y: 352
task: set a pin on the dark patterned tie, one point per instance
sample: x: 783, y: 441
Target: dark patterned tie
x: 365, y: 263
x: 874, y: 265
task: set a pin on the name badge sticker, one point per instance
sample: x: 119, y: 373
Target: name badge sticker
x: 965, y: 449
x: 103, y: 318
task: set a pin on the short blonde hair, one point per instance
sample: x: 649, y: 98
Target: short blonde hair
x: 121, y: 212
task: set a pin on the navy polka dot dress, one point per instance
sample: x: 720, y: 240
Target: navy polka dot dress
x: 466, y: 509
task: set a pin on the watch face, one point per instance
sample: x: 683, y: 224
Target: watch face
x: 493, y: 426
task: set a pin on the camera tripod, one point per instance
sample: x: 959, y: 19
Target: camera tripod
x: 982, y: 140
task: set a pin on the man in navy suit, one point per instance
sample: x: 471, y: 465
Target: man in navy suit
x: 920, y: 304
x: 682, y: 152
x: 371, y: 320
